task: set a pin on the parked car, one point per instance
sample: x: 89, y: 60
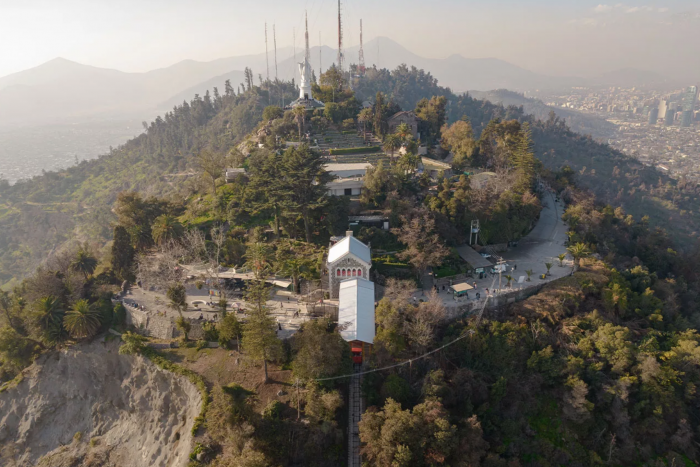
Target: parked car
x: 485, y: 255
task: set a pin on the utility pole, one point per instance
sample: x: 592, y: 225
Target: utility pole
x: 274, y: 40
x: 500, y: 270
x: 267, y: 58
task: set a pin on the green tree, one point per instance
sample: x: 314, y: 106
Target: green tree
x: 459, y: 138
x: 305, y: 183
x: 212, y: 163
x: 122, y: 258
x: 259, y: 331
x: 548, y: 266
x: 177, y: 294
x: 364, y: 117
x: 82, y: 321
x: 403, y: 438
x: 272, y: 112
x: 391, y: 144
x: 298, y: 261
x: 133, y: 344
x: 320, y: 351
x: 229, y: 329
x: 424, y: 248
x: 300, y: 116
x: 579, y: 251
x: 84, y: 262
x: 258, y: 256
x: 432, y: 113
x: 529, y: 273
x: 165, y: 228
x: 561, y: 259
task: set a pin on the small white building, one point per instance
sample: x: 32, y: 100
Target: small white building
x: 232, y: 173
x: 356, y: 315
x: 356, y: 310
x: 349, y: 179
x: 349, y: 258
x: 355, y: 170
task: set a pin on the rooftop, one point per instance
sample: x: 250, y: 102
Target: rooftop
x: 356, y: 310
x: 349, y: 245
x: 474, y: 259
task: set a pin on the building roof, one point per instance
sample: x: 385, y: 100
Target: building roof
x: 349, y: 245
x: 474, y: 259
x: 408, y: 113
x: 361, y: 166
x: 461, y: 287
x: 356, y: 310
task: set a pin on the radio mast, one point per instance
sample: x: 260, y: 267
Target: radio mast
x: 267, y: 58
x: 307, y: 55
x: 274, y: 41
x: 362, y: 52
x: 340, y: 39
x: 320, y: 56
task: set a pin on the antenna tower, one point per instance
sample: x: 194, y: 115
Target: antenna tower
x: 307, y: 54
x: 294, y: 33
x: 340, y: 39
x: 267, y: 58
x: 274, y: 41
x: 320, y: 55
x: 362, y: 52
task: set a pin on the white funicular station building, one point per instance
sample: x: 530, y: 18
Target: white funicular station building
x: 349, y: 258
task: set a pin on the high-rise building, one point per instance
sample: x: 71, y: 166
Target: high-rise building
x: 690, y: 97
x: 663, y: 106
x: 653, y: 116
x: 670, y: 114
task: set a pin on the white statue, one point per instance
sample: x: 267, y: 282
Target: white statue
x: 305, y: 83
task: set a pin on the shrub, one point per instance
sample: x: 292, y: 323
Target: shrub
x: 273, y: 411
x: 397, y: 388
x: 119, y: 314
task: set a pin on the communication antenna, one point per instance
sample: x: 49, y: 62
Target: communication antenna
x: 274, y: 40
x: 267, y: 58
x: 320, y: 55
x: 294, y: 33
x: 362, y: 52
x: 307, y: 55
x: 340, y: 39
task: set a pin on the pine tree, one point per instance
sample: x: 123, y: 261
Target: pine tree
x: 259, y: 336
x: 122, y: 254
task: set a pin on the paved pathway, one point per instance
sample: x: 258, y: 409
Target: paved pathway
x: 543, y: 244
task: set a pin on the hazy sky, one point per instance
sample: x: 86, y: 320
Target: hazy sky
x: 576, y: 37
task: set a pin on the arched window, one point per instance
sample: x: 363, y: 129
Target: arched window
x: 343, y: 272
x: 337, y: 272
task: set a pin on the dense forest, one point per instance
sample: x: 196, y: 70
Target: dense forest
x: 42, y: 215
x: 598, y: 368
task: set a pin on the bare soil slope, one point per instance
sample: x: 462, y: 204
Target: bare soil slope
x: 90, y: 406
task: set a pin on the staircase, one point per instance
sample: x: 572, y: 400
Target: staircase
x: 355, y: 412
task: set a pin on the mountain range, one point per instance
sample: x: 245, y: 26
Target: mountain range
x: 62, y: 90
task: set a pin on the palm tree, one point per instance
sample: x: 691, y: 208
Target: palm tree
x: 509, y: 279
x: 403, y: 131
x: 164, y: 228
x: 529, y: 272
x: 47, y: 309
x: 548, y: 266
x: 84, y: 262
x: 579, y: 251
x: 82, y: 321
x: 364, y: 117
x: 296, y: 268
x: 561, y: 258
x: 300, y: 115
x: 391, y: 144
